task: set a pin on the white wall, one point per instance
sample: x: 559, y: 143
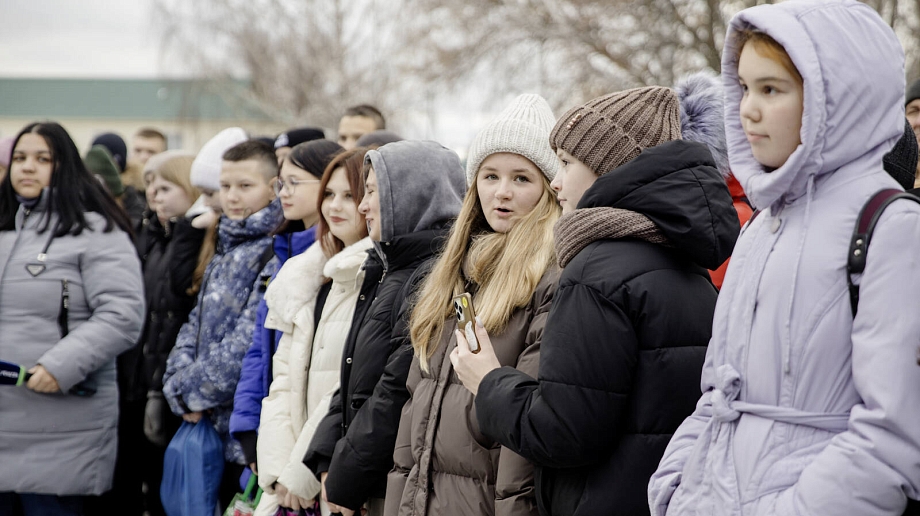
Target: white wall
x: 192, y: 135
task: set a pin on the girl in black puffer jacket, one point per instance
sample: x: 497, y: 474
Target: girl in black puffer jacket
x: 644, y: 215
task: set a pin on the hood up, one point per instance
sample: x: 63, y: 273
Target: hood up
x: 420, y: 184
x: 853, y: 97
x: 677, y: 186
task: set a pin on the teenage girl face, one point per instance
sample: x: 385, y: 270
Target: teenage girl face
x: 572, y: 181
x: 370, y: 205
x: 244, y: 189
x: 299, y: 190
x: 340, y: 209
x: 771, y: 107
x: 170, y: 199
x: 31, y: 166
x: 509, y: 187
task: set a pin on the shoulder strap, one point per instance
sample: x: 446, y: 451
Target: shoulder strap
x: 865, y: 225
x: 266, y: 256
x: 321, y: 297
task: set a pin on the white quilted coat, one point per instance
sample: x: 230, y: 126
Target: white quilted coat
x: 305, y: 367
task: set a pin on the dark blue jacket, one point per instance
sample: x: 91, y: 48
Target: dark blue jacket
x: 256, y: 375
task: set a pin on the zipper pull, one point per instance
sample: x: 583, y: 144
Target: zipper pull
x: 65, y: 294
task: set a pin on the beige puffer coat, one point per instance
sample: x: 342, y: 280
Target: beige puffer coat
x: 443, y: 463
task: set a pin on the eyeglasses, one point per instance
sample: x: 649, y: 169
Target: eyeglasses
x: 291, y: 184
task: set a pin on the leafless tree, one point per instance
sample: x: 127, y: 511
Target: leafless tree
x: 575, y: 49
x: 306, y: 60
x: 301, y: 62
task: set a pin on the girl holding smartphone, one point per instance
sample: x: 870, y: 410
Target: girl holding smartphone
x: 501, y: 251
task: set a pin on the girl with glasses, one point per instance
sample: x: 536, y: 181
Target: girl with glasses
x: 297, y: 188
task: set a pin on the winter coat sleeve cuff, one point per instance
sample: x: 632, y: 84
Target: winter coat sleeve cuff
x: 318, y: 464
x: 248, y: 441
x: 299, y: 480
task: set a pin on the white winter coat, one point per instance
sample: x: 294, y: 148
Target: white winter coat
x: 305, y: 368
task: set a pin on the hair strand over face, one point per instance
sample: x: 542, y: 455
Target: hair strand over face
x: 506, y: 267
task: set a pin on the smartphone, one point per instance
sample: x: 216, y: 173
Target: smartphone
x: 466, y: 319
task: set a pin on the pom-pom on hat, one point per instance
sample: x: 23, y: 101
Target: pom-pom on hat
x: 206, y: 167
x: 521, y: 128
x: 611, y: 130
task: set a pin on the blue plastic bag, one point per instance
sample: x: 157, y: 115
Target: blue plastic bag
x: 192, y: 470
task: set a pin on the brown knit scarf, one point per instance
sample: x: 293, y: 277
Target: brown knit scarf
x: 574, y: 231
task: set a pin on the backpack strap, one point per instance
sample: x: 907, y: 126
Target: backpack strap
x: 264, y: 258
x: 862, y: 234
x: 753, y: 216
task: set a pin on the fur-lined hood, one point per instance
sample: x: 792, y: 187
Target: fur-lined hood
x: 701, y: 115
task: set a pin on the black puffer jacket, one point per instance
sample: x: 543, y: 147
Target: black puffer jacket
x: 360, y: 428
x: 420, y: 187
x: 166, y: 311
x: 140, y: 369
x: 186, y: 242
x: 624, y: 342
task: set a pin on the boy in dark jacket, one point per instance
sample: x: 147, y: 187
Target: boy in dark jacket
x: 644, y: 215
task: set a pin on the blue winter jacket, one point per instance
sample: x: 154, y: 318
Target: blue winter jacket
x: 256, y: 376
x: 204, y: 366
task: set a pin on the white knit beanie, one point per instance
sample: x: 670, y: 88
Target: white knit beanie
x: 206, y: 167
x: 522, y: 128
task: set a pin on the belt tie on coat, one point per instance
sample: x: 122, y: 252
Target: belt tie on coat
x: 727, y: 408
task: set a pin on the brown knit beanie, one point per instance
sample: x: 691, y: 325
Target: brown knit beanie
x: 608, y: 131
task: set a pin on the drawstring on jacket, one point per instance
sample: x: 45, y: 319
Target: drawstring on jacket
x: 787, y: 340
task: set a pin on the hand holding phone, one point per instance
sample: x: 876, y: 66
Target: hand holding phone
x: 466, y: 319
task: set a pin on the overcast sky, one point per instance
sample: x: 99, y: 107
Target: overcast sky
x: 82, y: 38
x: 121, y: 39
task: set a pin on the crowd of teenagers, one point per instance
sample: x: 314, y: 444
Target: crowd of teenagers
x: 302, y: 297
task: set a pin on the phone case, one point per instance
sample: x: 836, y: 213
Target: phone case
x: 466, y: 319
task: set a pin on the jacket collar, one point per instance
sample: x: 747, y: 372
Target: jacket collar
x: 411, y: 249
x: 232, y: 233
x: 677, y: 186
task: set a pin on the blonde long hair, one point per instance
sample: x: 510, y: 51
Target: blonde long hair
x: 506, y: 266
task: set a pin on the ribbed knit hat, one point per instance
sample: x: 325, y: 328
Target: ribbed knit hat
x: 901, y: 161
x: 206, y: 167
x: 116, y: 147
x: 608, y: 131
x: 522, y: 128
x: 99, y: 162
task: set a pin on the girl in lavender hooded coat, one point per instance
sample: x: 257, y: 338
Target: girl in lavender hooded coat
x: 807, y: 410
